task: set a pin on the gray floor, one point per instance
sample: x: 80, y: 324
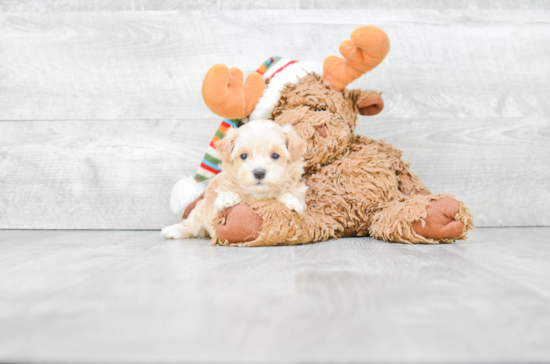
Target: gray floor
x: 131, y: 296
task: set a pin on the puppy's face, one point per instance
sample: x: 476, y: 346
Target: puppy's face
x: 261, y: 156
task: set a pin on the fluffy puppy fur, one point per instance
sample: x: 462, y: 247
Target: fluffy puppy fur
x: 261, y: 160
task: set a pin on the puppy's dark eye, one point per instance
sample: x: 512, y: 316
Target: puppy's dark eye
x: 318, y: 110
x: 244, y: 156
x: 275, y: 156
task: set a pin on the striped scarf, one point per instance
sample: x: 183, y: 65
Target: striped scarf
x: 210, y: 165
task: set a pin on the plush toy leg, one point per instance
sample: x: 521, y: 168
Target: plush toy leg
x: 408, y: 182
x: 268, y: 223
x: 237, y: 225
x: 422, y: 219
x: 191, y: 207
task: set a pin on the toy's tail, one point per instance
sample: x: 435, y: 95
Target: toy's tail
x: 185, y: 191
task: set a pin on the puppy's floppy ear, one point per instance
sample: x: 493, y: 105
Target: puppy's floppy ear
x: 296, y: 146
x: 226, y: 145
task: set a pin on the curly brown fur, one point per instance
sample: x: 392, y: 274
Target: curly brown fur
x: 309, y: 104
x: 356, y: 185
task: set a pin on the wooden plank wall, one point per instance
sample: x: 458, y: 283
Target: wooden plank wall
x: 101, y: 113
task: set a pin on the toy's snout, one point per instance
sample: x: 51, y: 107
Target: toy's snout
x: 321, y: 130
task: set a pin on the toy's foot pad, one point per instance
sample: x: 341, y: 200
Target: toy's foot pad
x: 440, y: 222
x: 241, y: 224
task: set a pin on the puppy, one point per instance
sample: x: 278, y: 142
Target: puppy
x: 260, y: 160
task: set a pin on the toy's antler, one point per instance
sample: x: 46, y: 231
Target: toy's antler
x: 367, y: 48
x: 224, y: 93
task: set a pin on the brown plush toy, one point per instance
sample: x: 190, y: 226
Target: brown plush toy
x: 357, y: 186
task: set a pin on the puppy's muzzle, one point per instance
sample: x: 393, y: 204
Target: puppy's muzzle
x: 259, y: 173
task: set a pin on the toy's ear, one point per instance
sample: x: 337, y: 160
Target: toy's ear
x: 372, y: 104
x: 226, y: 145
x: 226, y: 96
x: 368, y: 102
x: 296, y: 146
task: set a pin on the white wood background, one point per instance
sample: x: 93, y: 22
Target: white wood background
x: 101, y: 113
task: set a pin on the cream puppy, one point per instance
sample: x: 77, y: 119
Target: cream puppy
x: 260, y: 160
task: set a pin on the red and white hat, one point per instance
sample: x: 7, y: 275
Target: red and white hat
x: 280, y: 72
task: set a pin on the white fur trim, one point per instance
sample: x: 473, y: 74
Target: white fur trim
x: 272, y: 93
x: 185, y: 191
x: 275, y: 67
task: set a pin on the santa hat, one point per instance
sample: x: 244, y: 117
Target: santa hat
x: 279, y: 71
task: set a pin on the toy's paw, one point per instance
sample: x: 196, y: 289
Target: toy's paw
x: 176, y: 231
x: 240, y: 224
x: 440, y: 223
x: 292, y: 203
x: 226, y: 200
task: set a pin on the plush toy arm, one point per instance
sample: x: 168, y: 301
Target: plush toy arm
x: 226, y: 96
x: 267, y: 223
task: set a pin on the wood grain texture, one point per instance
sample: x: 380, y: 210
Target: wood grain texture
x: 101, y: 111
x: 164, y: 5
x: 498, y: 166
x: 150, y: 65
x: 133, y: 297
x: 106, y: 175
x: 96, y: 174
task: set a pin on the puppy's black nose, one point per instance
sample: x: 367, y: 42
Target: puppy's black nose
x: 259, y: 173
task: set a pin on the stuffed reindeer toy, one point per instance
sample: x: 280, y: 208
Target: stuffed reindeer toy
x: 356, y: 186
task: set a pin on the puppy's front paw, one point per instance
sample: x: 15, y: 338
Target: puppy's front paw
x: 173, y: 231
x: 292, y: 203
x: 226, y: 200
